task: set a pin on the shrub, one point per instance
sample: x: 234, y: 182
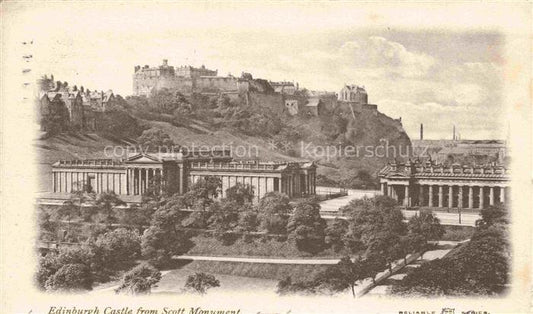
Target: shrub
x: 139, y: 280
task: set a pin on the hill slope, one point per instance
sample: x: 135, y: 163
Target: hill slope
x: 342, y: 142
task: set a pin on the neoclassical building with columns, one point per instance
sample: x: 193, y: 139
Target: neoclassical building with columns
x: 176, y: 172
x: 427, y: 184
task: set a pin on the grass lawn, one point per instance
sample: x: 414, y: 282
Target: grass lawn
x: 458, y: 233
x: 258, y: 247
x: 174, y: 281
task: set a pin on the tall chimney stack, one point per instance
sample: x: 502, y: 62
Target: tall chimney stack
x: 453, y: 138
x: 421, y: 131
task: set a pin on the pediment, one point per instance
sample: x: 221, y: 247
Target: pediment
x: 143, y: 158
x: 397, y: 175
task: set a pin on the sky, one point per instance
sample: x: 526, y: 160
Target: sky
x: 432, y: 75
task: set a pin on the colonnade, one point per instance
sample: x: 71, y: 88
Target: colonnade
x: 446, y: 195
x: 139, y: 179
x: 69, y: 181
x: 292, y: 185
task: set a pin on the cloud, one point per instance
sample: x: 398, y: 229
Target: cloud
x: 385, y: 57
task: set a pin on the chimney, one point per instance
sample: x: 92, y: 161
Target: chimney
x: 421, y: 131
x: 453, y: 138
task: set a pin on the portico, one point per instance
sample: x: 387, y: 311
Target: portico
x: 175, y: 173
x: 437, y: 186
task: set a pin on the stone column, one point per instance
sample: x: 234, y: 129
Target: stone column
x: 258, y: 187
x: 383, y: 189
x: 450, y: 196
x: 481, y: 198
x: 269, y: 185
x: 406, y: 196
x: 430, y: 196
x: 470, y: 197
x: 139, y: 181
x: 491, y: 196
x: 310, y: 184
x: 460, y: 197
x: 181, y: 180
x: 440, y: 196
x: 124, y: 184
x: 502, y: 194
x: 130, y: 181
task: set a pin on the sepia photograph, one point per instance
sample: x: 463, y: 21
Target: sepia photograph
x: 324, y: 157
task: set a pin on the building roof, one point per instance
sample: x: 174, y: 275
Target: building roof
x: 428, y: 169
x: 355, y: 88
x: 313, y: 102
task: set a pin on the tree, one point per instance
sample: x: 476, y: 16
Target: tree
x: 200, y: 197
x: 224, y: 216
x: 240, y: 193
x: 47, y: 226
x: 274, y: 209
x: 105, y: 204
x: 306, y: 226
x: 496, y: 214
x: 78, y: 255
x: 478, y: 267
x: 154, y: 140
x: 426, y: 225
x: 138, y: 216
x: 139, y: 280
x: 334, y: 234
x: 69, y: 210
x: 416, y: 243
x: 165, y: 237
x: 374, y: 263
x: 70, y: 278
x: 118, y: 247
x: 346, y: 273
x: 205, y: 189
x: 154, y: 190
x: 201, y: 282
x: 248, y: 219
x: 166, y: 101
x: 385, y: 245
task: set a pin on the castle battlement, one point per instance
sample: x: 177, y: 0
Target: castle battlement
x: 185, y: 79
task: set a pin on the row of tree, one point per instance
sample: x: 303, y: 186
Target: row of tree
x: 377, y: 234
x: 478, y: 267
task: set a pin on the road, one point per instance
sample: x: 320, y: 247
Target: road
x: 260, y: 260
x: 333, y: 205
x: 382, y: 287
x: 329, y: 209
x: 466, y: 219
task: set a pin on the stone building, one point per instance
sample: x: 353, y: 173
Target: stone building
x: 82, y: 106
x: 427, y: 184
x: 62, y: 95
x: 184, y: 79
x: 291, y: 105
x: 176, y: 172
x: 313, y: 107
x: 285, y: 88
x: 353, y: 93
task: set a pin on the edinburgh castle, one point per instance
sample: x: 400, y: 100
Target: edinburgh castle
x: 186, y: 80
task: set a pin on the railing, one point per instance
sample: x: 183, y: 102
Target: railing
x: 462, y: 170
x: 89, y: 163
x: 233, y: 166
